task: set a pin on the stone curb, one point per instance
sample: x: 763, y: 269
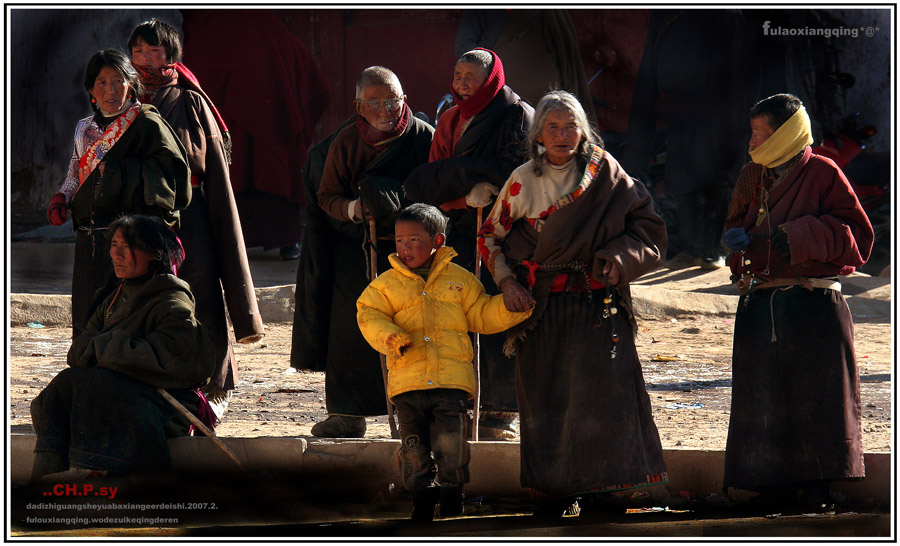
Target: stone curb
x: 494, y: 466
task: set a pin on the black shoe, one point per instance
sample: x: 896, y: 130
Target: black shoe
x: 340, y: 426
x: 291, y: 252
x: 451, y: 501
x: 815, y: 496
x: 553, y: 509
x: 423, y: 505
x: 602, y: 507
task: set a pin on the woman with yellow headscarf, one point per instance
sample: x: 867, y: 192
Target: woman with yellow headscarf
x: 793, y: 228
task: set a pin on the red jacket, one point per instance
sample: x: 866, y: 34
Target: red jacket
x: 828, y: 230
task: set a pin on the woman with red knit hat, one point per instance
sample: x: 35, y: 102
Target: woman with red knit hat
x: 476, y: 146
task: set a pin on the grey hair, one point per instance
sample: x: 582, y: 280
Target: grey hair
x: 556, y: 101
x: 377, y: 75
x: 478, y: 57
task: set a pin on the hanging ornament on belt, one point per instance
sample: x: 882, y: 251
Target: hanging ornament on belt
x: 608, y: 310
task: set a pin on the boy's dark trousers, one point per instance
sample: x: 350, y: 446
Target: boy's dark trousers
x: 433, y: 420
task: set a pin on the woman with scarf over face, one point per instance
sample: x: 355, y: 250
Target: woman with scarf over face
x: 570, y: 230
x: 794, y: 226
x: 126, y: 159
x: 104, y: 412
x: 215, y: 255
x: 476, y: 145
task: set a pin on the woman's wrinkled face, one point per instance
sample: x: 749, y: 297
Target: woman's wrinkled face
x: 110, y: 90
x: 128, y: 262
x: 414, y: 246
x: 467, y: 78
x: 378, y: 113
x: 144, y: 54
x: 761, y: 130
x: 561, y: 136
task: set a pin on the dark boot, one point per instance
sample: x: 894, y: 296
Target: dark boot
x: 423, y: 504
x: 48, y: 462
x: 451, y: 500
x: 340, y: 426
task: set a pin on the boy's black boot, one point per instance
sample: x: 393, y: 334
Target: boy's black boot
x: 451, y: 500
x: 424, y: 502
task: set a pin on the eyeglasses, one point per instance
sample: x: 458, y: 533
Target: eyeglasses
x: 390, y: 104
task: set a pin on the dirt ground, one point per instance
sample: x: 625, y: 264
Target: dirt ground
x: 686, y: 362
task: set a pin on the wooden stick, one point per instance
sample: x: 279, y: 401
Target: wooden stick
x: 199, y: 424
x: 477, y: 344
x: 373, y: 270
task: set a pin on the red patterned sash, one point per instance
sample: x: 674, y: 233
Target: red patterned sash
x: 98, y: 150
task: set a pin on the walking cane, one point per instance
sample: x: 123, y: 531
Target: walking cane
x: 373, y: 270
x: 199, y: 424
x: 477, y: 345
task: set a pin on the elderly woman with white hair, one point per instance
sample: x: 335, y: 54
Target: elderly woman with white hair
x: 570, y: 230
x: 363, y: 177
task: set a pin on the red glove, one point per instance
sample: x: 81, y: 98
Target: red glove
x: 58, y: 211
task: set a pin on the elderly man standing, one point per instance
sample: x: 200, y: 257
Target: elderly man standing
x: 362, y: 179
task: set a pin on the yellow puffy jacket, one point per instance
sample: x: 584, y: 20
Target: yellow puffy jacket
x: 399, y: 308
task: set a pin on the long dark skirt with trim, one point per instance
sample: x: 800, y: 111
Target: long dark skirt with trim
x: 585, y: 417
x: 101, y: 419
x: 795, y: 409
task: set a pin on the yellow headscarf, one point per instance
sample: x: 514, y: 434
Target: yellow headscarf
x: 789, y: 140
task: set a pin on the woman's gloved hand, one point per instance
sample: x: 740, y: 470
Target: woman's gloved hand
x: 480, y: 195
x: 58, y: 211
x: 736, y: 240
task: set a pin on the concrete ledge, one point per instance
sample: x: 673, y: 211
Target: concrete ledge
x: 494, y: 466
x: 48, y: 309
x: 276, y: 304
x: 656, y: 302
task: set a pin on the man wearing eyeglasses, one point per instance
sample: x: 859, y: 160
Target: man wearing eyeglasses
x: 362, y: 180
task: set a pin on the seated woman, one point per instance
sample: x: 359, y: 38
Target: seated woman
x: 104, y: 412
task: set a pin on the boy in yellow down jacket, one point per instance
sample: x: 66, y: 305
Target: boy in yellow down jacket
x: 419, y: 314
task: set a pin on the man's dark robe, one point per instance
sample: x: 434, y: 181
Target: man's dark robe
x: 694, y: 89
x: 335, y: 269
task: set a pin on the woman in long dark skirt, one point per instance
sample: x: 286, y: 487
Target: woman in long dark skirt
x: 793, y: 228
x: 569, y: 231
